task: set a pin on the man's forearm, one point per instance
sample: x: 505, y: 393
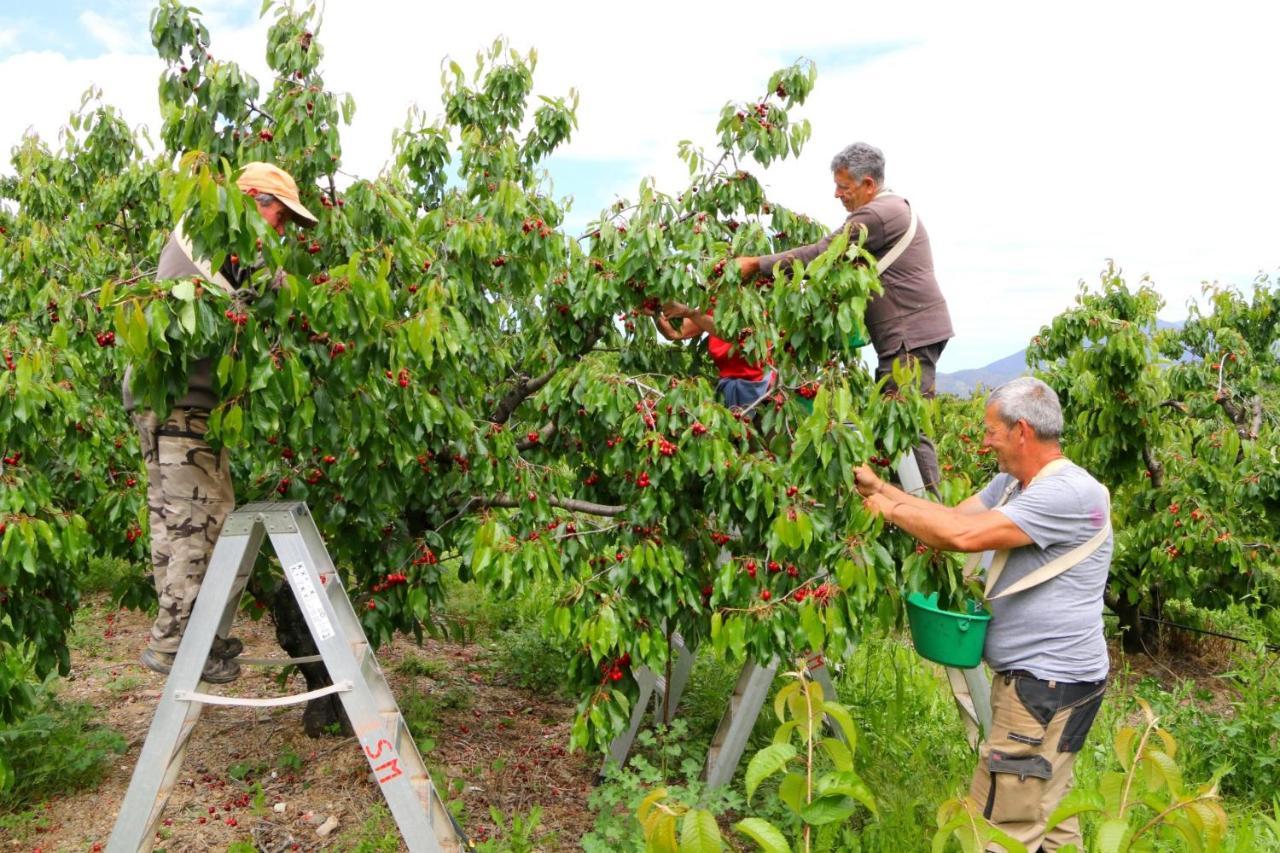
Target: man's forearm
x: 898, y: 496
x: 933, y: 524
x: 803, y: 254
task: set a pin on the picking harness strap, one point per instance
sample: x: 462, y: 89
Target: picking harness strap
x: 1049, y: 570
x: 904, y: 241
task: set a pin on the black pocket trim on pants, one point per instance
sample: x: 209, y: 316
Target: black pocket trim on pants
x: 1027, y: 739
x: 1021, y: 766
x: 1079, y: 722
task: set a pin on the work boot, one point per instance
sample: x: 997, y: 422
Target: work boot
x: 226, y: 648
x: 216, y: 670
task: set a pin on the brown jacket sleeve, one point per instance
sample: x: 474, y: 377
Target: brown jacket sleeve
x: 862, y: 218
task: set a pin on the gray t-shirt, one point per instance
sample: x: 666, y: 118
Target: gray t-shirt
x: 1054, y: 630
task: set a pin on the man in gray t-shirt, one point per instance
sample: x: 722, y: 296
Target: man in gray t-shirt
x: 1054, y: 630
x: 1045, y: 641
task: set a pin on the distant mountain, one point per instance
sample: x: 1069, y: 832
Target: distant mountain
x: 963, y: 383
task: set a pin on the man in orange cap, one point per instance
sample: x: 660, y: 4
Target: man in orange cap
x: 189, y: 490
x: 276, y: 194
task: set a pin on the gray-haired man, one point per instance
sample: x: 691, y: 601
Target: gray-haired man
x: 1048, y: 520
x: 909, y: 321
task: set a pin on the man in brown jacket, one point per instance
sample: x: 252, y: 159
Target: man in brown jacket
x: 909, y: 321
x: 189, y: 490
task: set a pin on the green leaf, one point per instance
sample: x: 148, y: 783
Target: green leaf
x: 854, y: 787
x: 1079, y: 801
x: 828, y: 809
x: 1111, y: 835
x: 187, y: 317
x: 793, y: 790
x: 840, y: 714
x: 838, y: 752
x: 184, y: 290
x: 699, y: 833
x: 763, y: 833
x: 765, y: 763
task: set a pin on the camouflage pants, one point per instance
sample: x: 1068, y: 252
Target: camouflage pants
x: 189, y: 496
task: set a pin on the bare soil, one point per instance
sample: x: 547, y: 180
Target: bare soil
x: 494, y: 745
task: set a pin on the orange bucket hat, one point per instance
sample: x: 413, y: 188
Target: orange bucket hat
x: 259, y: 177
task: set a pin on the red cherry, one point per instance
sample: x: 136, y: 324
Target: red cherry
x: 532, y: 436
x: 766, y: 595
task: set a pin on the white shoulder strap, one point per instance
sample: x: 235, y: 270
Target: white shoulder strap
x: 202, y: 264
x: 903, y: 242
x: 1049, y: 570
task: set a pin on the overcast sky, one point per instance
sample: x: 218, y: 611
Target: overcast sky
x: 1035, y: 145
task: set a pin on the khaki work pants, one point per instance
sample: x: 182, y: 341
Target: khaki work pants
x: 189, y: 496
x: 1025, y: 765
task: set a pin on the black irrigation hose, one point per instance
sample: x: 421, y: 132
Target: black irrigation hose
x: 1270, y: 647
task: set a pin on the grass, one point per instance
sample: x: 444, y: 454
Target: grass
x: 125, y: 684
x: 376, y: 834
x: 58, y: 749
x: 414, y: 666
x: 422, y: 712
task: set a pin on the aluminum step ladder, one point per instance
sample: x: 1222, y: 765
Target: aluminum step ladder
x: 425, y: 823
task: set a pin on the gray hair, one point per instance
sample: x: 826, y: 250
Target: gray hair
x: 860, y: 160
x: 1028, y: 399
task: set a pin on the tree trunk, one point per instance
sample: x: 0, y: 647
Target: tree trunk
x: 1132, y: 628
x: 323, y: 714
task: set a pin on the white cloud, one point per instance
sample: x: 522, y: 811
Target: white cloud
x: 8, y: 37
x: 1036, y: 142
x: 106, y: 32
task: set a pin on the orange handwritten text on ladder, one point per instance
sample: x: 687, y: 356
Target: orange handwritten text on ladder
x: 392, y: 766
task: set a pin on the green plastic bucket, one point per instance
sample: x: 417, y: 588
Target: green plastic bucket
x: 951, y: 639
x: 856, y: 341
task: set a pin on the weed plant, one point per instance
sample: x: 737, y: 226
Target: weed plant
x: 1246, y: 739
x: 666, y: 757
x: 913, y: 753
x: 56, y: 750
x: 376, y: 834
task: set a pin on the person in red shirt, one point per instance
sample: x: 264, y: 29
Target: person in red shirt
x: 741, y: 383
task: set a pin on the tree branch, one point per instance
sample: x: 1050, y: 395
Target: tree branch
x: 506, y: 502
x: 1154, y: 467
x: 526, y: 387
x: 1246, y: 426
x: 570, y: 504
x: 259, y: 110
